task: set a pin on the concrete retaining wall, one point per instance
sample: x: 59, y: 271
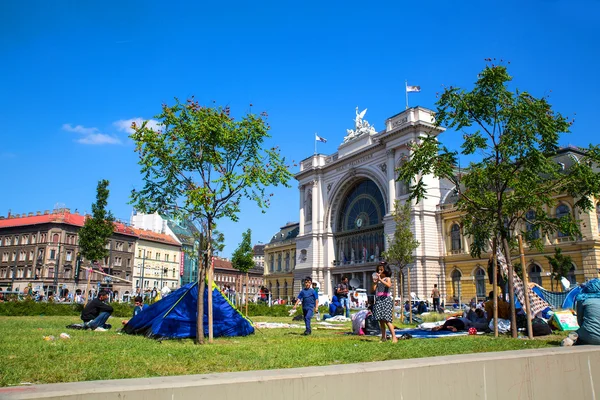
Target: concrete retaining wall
x: 559, y: 373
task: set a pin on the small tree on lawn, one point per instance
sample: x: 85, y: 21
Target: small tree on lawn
x: 561, y: 265
x: 402, y: 245
x: 512, y: 181
x: 199, y: 164
x: 242, y: 259
x: 94, y: 235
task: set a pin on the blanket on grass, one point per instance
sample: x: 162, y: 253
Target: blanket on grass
x: 428, y: 334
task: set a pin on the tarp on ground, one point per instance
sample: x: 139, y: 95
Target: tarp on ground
x: 175, y: 316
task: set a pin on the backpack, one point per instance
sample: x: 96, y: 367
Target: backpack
x: 339, y: 310
x: 540, y: 327
x: 372, y: 326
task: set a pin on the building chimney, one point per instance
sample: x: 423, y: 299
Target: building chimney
x: 46, y: 212
x: 30, y: 214
x: 17, y: 215
x: 38, y: 213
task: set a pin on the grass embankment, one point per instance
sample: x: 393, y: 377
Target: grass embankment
x: 26, y: 357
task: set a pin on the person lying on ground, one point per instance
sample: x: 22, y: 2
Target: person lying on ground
x: 96, y: 313
x: 477, y: 320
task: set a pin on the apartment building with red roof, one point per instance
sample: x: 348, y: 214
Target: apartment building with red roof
x: 42, y: 249
x: 158, y: 261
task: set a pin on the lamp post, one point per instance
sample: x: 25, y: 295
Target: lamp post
x: 143, y: 265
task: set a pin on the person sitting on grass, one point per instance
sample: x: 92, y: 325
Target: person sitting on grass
x: 139, y: 307
x: 335, y: 308
x: 588, y: 316
x: 96, y: 313
x: 310, y: 303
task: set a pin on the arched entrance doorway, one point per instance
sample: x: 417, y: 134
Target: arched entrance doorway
x: 358, y: 228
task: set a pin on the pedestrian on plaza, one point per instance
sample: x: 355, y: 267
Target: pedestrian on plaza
x: 310, y: 303
x: 384, y: 306
x: 341, y: 291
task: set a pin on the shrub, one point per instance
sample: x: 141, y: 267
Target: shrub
x: 32, y: 308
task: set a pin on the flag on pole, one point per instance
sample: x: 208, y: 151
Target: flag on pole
x: 413, y: 88
x: 320, y: 139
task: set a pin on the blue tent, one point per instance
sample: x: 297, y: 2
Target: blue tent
x: 175, y: 316
x: 570, y: 299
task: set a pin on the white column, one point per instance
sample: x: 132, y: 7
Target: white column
x: 315, y: 206
x: 391, y: 179
x: 301, y: 229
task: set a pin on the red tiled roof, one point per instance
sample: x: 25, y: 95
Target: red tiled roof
x: 155, y: 237
x: 223, y: 264
x: 58, y: 218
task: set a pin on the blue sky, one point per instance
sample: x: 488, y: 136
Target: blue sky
x: 75, y: 73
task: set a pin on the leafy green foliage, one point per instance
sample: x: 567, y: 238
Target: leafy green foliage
x: 200, y: 164
x: 94, y: 235
x: 242, y: 256
x: 561, y: 264
x: 514, y: 138
x: 402, y: 244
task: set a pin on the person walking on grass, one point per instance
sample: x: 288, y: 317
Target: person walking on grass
x: 384, y: 306
x: 96, y: 313
x: 310, y: 303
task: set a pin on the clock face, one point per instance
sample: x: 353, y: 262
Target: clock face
x: 359, y: 222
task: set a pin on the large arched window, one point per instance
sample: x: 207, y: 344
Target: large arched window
x: 455, y: 237
x: 363, y: 207
x: 308, y: 206
x: 456, y: 289
x: 535, y: 274
x: 480, y: 282
x: 531, y: 230
x: 359, y: 236
x: 562, y: 211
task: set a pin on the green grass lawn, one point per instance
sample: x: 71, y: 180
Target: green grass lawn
x: 26, y: 357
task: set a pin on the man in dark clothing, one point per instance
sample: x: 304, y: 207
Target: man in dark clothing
x: 341, y: 292
x: 96, y: 313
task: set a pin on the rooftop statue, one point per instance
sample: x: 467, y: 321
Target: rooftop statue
x: 361, y: 126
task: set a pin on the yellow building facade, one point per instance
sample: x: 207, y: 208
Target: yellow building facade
x: 280, y: 262
x: 466, y: 278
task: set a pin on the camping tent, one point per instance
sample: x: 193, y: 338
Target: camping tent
x: 175, y: 316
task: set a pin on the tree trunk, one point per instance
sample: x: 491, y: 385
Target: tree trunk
x: 210, y: 279
x: 526, y: 293
x: 201, y: 286
x: 511, y: 289
x: 409, y: 294
x: 246, y: 296
x: 495, y: 284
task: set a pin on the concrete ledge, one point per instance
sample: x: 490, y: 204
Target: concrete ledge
x: 558, y: 373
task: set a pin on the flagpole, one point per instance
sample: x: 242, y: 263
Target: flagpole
x: 315, y: 143
x: 406, y: 92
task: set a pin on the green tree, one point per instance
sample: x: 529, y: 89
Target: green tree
x: 94, y: 235
x: 242, y: 258
x: 561, y: 265
x: 199, y: 164
x: 402, y: 243
x: 512, y: 138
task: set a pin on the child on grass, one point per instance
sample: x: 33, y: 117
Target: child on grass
x: 310, y: 303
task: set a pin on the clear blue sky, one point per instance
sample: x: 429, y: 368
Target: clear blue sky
x: 73, y: 71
